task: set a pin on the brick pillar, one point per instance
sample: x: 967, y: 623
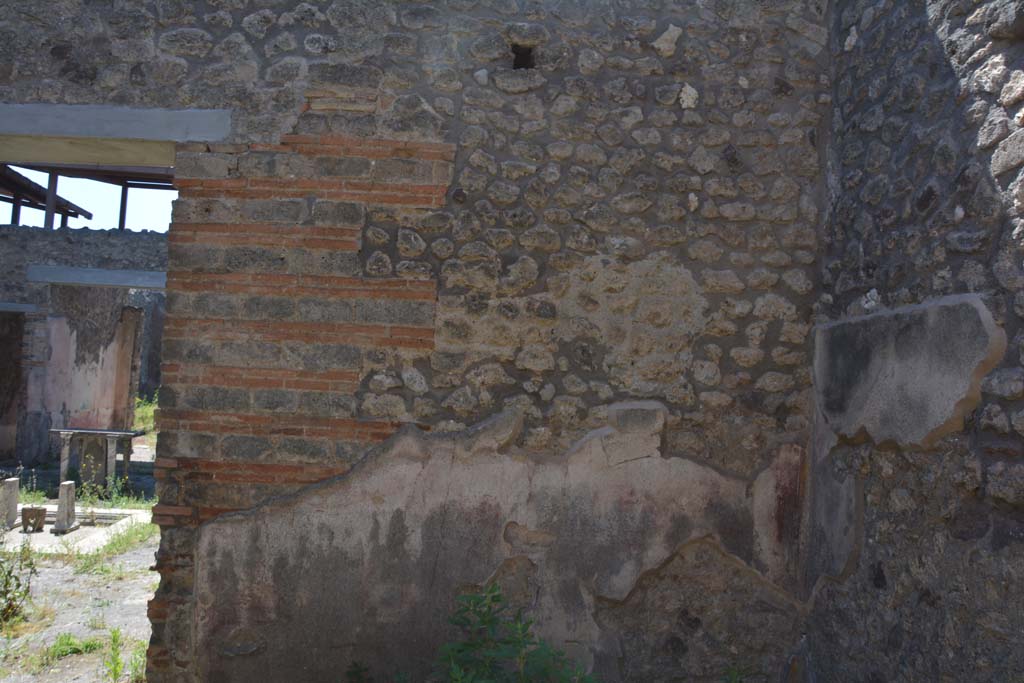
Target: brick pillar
x: 271, y: 329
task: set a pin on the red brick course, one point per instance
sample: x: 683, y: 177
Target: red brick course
x: 212, y: 416
x: 287, y: 284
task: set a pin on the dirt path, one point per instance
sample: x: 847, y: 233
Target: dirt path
x: 86, y: 606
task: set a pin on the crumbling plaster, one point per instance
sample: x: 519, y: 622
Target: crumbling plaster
x: 570, y: 537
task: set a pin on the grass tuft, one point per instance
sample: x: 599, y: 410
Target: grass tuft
x: 66, y: 645
x: 137, y: 662
x: 98, y: 562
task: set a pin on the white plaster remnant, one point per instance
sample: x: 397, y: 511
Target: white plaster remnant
x: 688, y: 96
x: 918, y: 369
x: 851, y: 40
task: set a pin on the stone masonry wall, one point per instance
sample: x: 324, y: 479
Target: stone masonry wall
x: 21, y: 246
x: 404, y: 227
x: 926, y: 183
x: 620, y: 246
x: 633, y: 217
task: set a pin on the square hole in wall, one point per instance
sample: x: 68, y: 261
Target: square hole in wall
x: 522, y: 57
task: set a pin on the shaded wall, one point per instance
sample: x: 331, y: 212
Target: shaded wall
x: 626, y: 558
x: 12, y: 329
x: 917, y: 534
x: 153, y: 308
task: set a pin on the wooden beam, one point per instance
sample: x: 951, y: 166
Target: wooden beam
x: 51, y: 201
x: 28, y: 149
x: 16, y: 210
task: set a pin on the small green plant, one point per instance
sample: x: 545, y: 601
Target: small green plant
x: 29, y: 492
x: 113, y: 662
x: 137, y: 663
x: 9, y: 651
x: 67, y: 645
x: 117, y: 495
x: 145, y: 412
x: 498, y: 647
x: 16, y: 572
x: 32, y: 497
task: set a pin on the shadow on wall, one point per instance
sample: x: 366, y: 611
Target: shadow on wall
x: 12, y: 330
x: 638, y: 564
x: 919, y: 525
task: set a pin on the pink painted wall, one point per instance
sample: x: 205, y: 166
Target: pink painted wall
x: 93, y: 394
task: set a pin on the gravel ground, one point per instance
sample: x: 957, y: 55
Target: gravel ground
x: 84, y: 605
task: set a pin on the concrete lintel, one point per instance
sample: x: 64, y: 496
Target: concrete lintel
x: 105, y: 121
x: 97, y: 277
x: 10, y: 307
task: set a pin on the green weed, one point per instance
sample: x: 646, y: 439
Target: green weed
x: 16, y: 573
x: 145, y: 412
x: 496, y: 647
x: 137, y: 663
x: 29, y: 492
x: 66, y: 645
x: 118, y: 495
x: 98, y: 562
x: 113, y: 662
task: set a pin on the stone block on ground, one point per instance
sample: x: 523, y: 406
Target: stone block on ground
x: 9, y: 502
x: 32, y: 519
x: 66, y: 521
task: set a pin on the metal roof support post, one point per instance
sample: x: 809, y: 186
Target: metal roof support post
x: 124, y: 207
x: 51, y: 201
